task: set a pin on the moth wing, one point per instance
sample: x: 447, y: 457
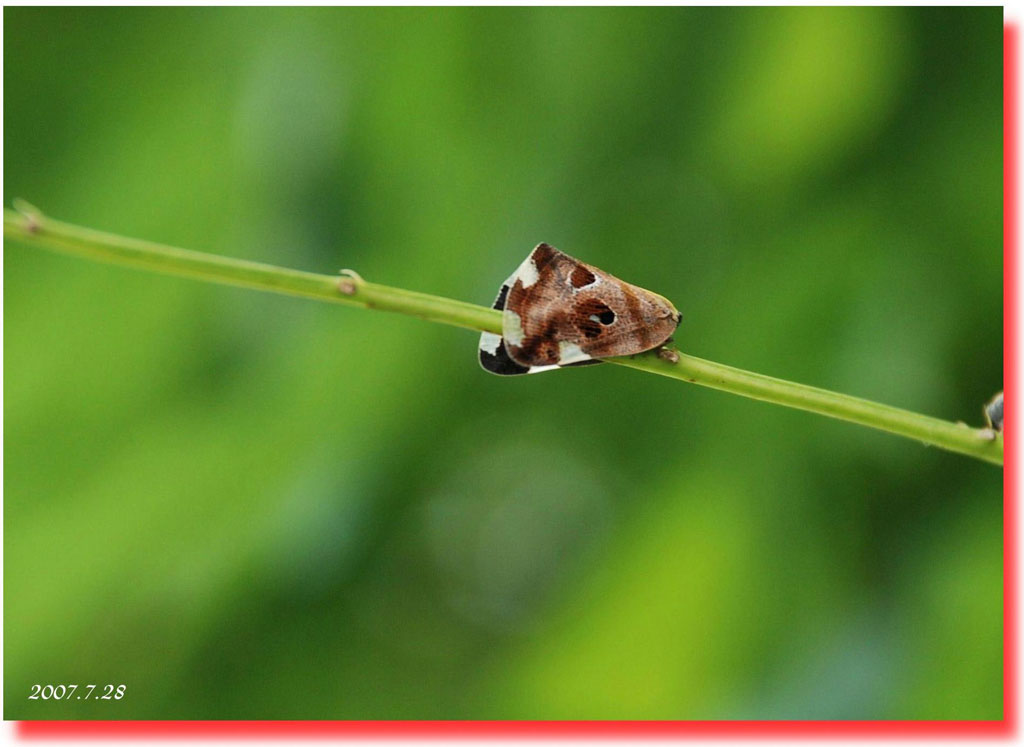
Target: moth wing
x: 588, y: 362
x: 493, y: 354
x: 538, y: 331
x: 493, y: 351
x: 494, y: 357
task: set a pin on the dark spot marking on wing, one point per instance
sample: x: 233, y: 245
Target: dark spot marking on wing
x: 581, y: 277
x: 542, y: 254
x: 499, y: 302
x: 584, y: 313
x: 500, y: 363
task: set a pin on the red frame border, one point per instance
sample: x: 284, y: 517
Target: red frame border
x: 1007, y: 727
x: 1011, y: 477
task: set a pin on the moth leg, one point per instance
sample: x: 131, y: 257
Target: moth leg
x: 668, y: 354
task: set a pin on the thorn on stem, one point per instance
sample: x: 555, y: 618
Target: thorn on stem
x: 31, y: 212
x: 347, y: 284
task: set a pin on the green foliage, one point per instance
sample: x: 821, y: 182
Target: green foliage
x: 247, y: 506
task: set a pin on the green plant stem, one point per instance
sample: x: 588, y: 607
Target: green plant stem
x: 30, y: 227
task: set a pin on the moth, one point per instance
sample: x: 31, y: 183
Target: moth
x: 994, y: 413
x: 557, y: 311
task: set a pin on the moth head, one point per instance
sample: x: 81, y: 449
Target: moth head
x: 665, y: 308
x: 658, y: 313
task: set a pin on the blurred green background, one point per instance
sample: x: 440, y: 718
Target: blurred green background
x: 249, y: 506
